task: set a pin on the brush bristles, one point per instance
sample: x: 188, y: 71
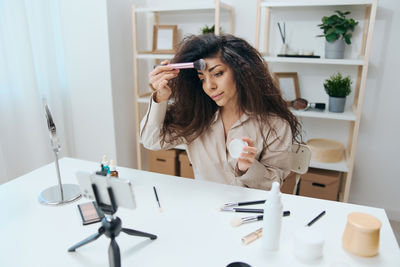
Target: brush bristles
x: 236, y: 222
x: 200, y: 64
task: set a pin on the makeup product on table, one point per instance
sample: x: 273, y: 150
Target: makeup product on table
x: 199, y: 64
x: 285, y: 213
x: 239, y: 221
x: 241, y: 210
x: 308, y: 242
x: 258, y: 233
x: 252, y: 236
x: 158, y: 201
x: 303, y: 104
x: 90, y: 213
x: 316, y: 218
x: 236, y: 146
x: 238, y: 264
x: 113, y: 169
x: 272, y: 220
x: 235, y: 204
x: 361, y: 235
x: 104, y: 167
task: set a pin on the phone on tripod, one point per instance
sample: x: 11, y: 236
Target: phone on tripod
x: 121, y: 188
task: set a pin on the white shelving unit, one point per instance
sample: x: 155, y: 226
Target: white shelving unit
x: 360, y: 63
x: 215, y: 8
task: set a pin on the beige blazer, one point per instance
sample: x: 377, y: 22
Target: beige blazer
x: 209, y: 155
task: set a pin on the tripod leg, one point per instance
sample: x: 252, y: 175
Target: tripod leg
x: 87, y: 240
x: 114, y: 256
x: 138, y: 233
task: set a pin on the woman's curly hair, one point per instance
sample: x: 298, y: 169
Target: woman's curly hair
x: 192, y: 110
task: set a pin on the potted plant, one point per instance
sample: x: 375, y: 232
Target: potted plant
x: 337, y: 88
x: 337, y: 31
x: 211, y: 29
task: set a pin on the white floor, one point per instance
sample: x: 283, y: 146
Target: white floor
x: 396, y: 229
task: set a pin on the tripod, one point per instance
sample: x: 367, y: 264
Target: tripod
x: 110, y: 226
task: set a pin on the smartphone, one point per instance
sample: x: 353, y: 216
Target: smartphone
x: 90, y: 213
x: 121, y: 188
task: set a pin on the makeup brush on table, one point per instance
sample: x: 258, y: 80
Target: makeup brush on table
x: 199, y: 64
x: 235, y: 222
x: 236, y: 204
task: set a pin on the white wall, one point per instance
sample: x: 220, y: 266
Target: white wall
x: 87, y: 67
x: 123, y: 94
x: 376, y: 179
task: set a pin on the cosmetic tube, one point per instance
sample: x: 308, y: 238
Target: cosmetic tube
x: 272, y: 220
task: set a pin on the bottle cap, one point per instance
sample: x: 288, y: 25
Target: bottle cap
x: 104, y: 162
x: 112, y: 166
x: 275, y: 193
x: 235, y: 147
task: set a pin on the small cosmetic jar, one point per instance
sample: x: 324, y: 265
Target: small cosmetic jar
x: 308, y: 244
x: 235, y: 147
x: 361, y: 235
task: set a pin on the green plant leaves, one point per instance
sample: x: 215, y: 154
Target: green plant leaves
x: 337, y: 26
x: 337, y: 86
x: 332, y: 37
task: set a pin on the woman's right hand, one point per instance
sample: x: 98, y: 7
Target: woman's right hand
x: 159, y: 78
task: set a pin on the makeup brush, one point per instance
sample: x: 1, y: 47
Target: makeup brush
x: 235, y: 222
x: 303, y: 104
x: 199, y: 64
x: 241, y: 210
x: 235, y: 204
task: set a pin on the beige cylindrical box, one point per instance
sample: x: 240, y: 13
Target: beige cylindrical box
x: 326, y: 150
x: 361, y: 235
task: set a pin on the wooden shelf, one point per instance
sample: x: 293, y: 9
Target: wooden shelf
x: 339, y: 166
x: 265, y: 9
x: 315, y: 3
x: 351, y: 62
x: 347, y: 115
x: 189, y: 7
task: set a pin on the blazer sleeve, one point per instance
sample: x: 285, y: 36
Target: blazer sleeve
x: 274, y: 161
x: 151, y: 125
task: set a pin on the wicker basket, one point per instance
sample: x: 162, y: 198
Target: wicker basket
x: 326, y: 150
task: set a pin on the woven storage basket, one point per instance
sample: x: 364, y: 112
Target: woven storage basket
x: 326, y: 150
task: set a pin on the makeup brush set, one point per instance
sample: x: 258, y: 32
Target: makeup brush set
x: 235, y: 222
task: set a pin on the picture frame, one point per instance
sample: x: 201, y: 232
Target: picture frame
x: 288, y: 83
x: 164, y: 38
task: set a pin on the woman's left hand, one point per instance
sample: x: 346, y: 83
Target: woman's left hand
x: 246, y: 159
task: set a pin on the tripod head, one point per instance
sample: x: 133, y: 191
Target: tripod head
x: 109, y: 193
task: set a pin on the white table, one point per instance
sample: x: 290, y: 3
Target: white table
x: 191, y: 231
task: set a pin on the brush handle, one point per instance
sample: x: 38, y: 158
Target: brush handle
x: 251, y: 202
x: 260, y: 217
x: 186, y: 65
x: 248, y: 210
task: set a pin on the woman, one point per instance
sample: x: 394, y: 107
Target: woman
x: 234, y: 97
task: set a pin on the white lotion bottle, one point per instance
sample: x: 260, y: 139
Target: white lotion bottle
x: 272, y: 220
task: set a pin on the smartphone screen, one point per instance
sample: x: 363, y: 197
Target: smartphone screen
x: 90, y: 213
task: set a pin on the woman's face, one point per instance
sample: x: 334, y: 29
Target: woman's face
x: 218, y: 82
